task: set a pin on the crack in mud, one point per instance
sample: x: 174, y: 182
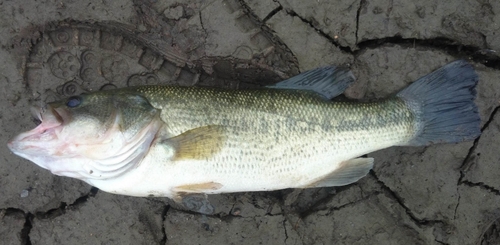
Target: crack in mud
x: 163, y: 228
x: 358, y: 12
x: 201, y: 23
x: 482, y: 186
x: 320, y: 32
x: 333, y: 209
x: 481, y: 55
x: 458, y: 204
x: 286, y: 232
x: 478, y: 54
x: 399, y: 200
x: 49, y: 214
x: 272, y: 13
x: 25, y: 232
x: 53, y: 213
x: 468, y: 161
x: 440, y: 242
x: 449, y: 46
x: 316, y: 206
x: 295, y: 220
x: 28, y: 217
x: 250, y: 14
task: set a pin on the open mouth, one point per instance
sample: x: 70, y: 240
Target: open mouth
x: 50, y: 120
x: 49, y: 116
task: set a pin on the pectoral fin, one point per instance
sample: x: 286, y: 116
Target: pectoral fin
x: 348, y: 172
x: 198, y: 143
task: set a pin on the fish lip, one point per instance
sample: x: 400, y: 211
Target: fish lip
x: 51, y: 118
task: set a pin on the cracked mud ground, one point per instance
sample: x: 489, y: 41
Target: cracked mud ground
x: 441, y: 194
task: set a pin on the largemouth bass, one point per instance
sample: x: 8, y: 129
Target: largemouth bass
x: 175, y: 141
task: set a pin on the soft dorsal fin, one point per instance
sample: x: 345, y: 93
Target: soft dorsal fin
x: 327, y: 81
x: 197, y: 143
x: 348, y: 172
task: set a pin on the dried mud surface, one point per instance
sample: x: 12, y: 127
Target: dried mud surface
x: 441, y: 194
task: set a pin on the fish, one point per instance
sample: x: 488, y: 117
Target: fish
x: 175, y: 141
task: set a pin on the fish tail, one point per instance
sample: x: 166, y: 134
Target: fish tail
x: 443, y: 104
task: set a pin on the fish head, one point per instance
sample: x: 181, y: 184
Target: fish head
x: 98, y: 135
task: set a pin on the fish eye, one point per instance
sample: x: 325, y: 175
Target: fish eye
x: 74, y: 101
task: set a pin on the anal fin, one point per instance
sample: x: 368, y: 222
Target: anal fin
x: 348, y: 172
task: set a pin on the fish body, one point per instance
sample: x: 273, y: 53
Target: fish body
x: 173, y: 141
x: 273, y: 139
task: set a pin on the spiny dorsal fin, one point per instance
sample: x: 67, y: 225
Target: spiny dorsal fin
x: 327, y: 81
x: 348, y: 172
x: 198, y: 143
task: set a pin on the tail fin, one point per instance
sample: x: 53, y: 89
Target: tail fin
x: 443, y: 103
